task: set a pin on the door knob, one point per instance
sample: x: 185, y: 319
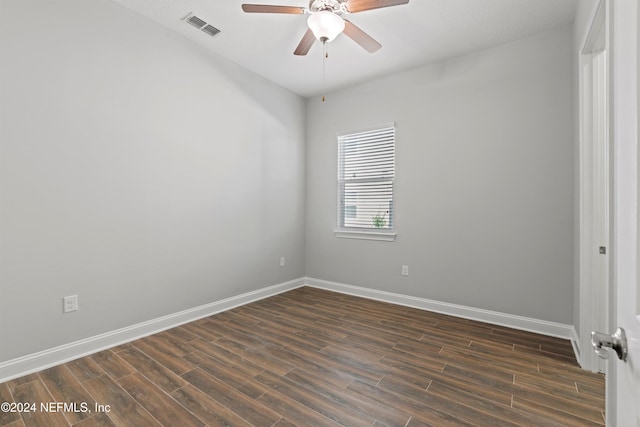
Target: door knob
x: 617, y: 342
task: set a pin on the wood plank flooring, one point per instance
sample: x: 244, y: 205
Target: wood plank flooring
x: 310, y: 357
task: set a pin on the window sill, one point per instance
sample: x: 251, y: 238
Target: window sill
x: 366, y: 235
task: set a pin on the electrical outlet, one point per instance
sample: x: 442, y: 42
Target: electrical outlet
x: 405, y: 270
x: 281, y: 261
x: 70, y: 303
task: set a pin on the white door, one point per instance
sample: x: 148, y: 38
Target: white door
x: 623, y: 378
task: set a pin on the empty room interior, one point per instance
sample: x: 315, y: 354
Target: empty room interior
x: 200, y: 227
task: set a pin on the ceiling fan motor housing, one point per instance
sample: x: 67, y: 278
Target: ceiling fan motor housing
x: 336, y: 6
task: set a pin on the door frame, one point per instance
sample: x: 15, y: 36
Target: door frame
x: 594, y: 168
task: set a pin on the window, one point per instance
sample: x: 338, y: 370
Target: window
x: 366, y: 169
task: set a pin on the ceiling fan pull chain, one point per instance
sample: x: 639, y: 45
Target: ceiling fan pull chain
x: 325, y: 55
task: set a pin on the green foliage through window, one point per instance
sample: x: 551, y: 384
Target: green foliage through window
x: 380, y: 221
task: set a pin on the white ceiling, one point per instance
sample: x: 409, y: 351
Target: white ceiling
x: 421, y: 32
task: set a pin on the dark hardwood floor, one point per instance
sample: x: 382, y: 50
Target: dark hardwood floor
x: 313, y: 357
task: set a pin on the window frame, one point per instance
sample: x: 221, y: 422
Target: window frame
x: 365, y: 233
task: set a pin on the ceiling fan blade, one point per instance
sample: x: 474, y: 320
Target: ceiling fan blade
x: 363, y: 39
x: 267, y: 8
x: 305, y: 44
x: 354, y: 6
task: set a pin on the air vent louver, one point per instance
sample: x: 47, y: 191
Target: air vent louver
x: 201, y: 24
x: 196, y: 22
x: 210, y: 29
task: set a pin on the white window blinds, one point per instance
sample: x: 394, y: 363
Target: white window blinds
x: 366, y: 169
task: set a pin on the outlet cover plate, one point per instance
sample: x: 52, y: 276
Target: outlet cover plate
x: 70, y: 304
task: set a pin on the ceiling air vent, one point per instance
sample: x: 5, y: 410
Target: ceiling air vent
x: 201, y: 24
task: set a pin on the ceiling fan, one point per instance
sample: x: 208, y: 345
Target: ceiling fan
x: 326, y: 20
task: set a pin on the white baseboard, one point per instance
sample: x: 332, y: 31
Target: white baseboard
x: 575, y: 343
x: 496, y: 318
x: 54, y: 356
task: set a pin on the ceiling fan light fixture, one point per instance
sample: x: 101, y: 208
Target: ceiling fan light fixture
x: 325, y: 25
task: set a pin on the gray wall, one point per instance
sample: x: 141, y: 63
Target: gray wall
x: 136, y: 171
x: 484, y: 186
